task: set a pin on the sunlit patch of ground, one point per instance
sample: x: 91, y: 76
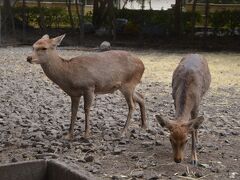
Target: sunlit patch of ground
x: 224, y: 67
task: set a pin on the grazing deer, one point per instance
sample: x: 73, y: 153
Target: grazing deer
x: 191, y: 79
x: 99, y: 73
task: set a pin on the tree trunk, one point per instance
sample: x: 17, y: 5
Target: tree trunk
x: 0, y: 26
x: 24, y: 19
x: 150, y: 4
x: 124, y: 4
x: 193, y: 20
x: 41, y: 20
x: 206, y: 18
x: 177, y: 17
x: 100, y: 10
x: 78, y: 12
x: 69, y: 8
x: 82, y: 5
x: 143, y: 4
x: 8, y: 18
x: 95, y: 17
x: 112, y: 18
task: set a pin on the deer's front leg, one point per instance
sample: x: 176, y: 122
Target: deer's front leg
x: 88, y: 99
x: 194, y: 149
x: 74, y: 108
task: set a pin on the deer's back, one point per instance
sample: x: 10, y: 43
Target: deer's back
x: 106, y: 70
x: 191, y: 77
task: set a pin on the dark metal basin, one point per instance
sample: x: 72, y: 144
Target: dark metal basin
x: 42, y: 170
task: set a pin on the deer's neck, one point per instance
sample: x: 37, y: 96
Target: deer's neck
x: 55, y: 68
x: 186, y: 100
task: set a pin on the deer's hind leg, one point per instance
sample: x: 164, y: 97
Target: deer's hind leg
x: 128, y: 91
x: 88, y: 99
x: 137, y: 97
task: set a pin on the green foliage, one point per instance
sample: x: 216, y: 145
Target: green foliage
x: 228, y: 20
x: 162, y: 18
x: 225, y: 20
x: 132, y: 28
x: 137, y: 19
x: 218, y: 19
x: 141, y: 18
x: 53, y: 17
x: 233, y: 19
x: 187, y: 21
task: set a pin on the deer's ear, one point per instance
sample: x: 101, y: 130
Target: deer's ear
x: 46, y: 36
x: 164, y: 122
x: 57, y: 40
x: 195, y: 123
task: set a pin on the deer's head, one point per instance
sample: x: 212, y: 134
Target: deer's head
x: 179, y: 130
x: 42, y: 48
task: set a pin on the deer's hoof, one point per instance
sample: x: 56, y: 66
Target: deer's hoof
x: 86, y: 135
x: 69, y: 137
x: 144, y: 126
x: 123, y: 133
x: 195, y: 163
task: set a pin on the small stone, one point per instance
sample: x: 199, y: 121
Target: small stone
x: 137, y: 174
x: 184, y: 174
x: 24, y: 155
x: 204, y: 165
x: 151, y: 131
x: 151, y: 137
x: 14, y: 160
x: 158, y: 143
x: 46, y: 156
x: 84, y: 140
x: 147, y: 143
x: 155, y: 177
x: 134, y: 157
x: 117, y: 151
x: 115, y: 178
x: 233, y: 175
x: 54, y: 143
x: 81, y: 160
x: 89, y: 158
x: 24, y: 145
x: 198, y: 174
x: 235, y: 133
x: 123, y: 142
x: 107, y: 137
x: 87, y: 149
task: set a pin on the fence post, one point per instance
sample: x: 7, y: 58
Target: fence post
x: 0, y: 25
x: 82, y: 6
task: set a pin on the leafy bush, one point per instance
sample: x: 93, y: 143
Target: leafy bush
x: 146, y: 20
x: 53, y: 17
x: 131, y: 28
x: 187, y: 21
x: 228, y: 20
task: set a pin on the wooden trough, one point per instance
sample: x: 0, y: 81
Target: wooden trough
x: 42, y: 170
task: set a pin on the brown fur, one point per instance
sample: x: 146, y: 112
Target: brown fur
x: 191, y: 79
x: 86, y: 76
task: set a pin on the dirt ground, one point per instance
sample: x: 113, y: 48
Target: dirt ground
x: 35, y: 116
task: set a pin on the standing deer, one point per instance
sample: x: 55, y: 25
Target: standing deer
x: 191, y: 79
x: 99, y: 73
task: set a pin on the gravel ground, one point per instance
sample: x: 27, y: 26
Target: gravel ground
x: 35, y: 116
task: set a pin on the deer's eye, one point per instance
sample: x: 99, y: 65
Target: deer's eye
x: 43, y: 49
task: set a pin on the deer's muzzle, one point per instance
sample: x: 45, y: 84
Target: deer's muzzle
x: 29, y: 59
